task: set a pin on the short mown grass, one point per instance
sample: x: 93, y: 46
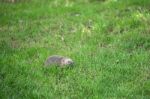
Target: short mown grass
x: 109, y: 40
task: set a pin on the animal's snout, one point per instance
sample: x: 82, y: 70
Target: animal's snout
x: 70, y: 62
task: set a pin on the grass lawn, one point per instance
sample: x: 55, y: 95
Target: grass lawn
x: 109, y: 40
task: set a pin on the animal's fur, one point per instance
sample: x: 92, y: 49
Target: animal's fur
x: 59, y: 61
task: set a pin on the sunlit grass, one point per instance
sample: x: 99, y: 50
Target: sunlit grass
x: 109, y: 40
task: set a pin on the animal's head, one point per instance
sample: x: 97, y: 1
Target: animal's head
x: 67, y: 61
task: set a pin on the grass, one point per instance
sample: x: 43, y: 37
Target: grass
x: 109, y: 41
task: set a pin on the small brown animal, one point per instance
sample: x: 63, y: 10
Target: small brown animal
x: 59, y: 61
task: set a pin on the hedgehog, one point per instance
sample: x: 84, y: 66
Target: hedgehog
x: 58, y: 60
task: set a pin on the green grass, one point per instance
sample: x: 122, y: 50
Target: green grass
x: 109, y: 41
